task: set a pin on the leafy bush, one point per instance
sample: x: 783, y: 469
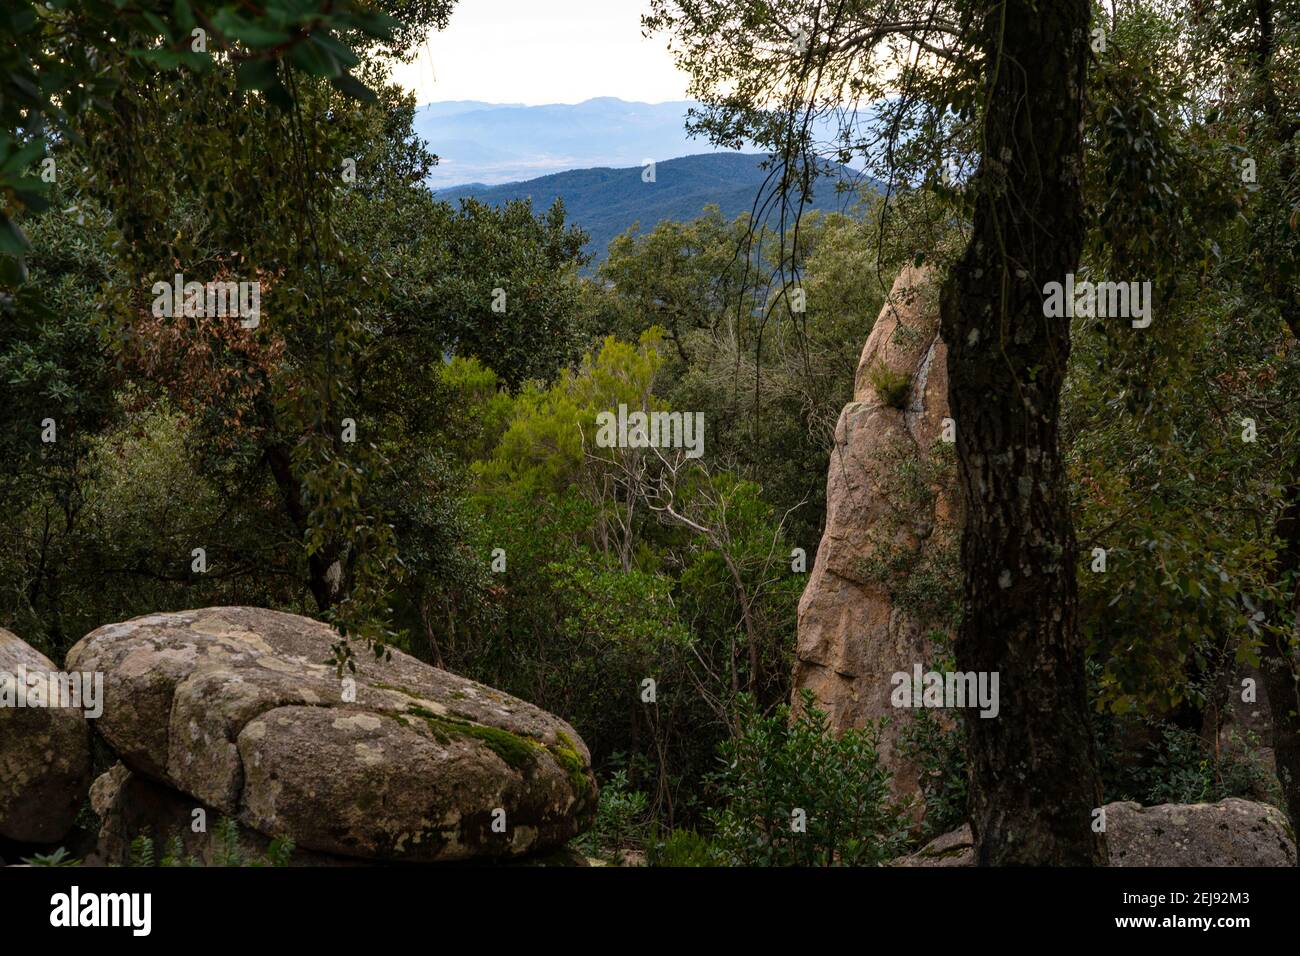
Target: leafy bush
x: 778, y: 766
x: 622, y: 817
x: 1186, y: 770
x: 940, y: 757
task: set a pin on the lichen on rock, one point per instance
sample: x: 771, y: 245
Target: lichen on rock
x: 235, y: 707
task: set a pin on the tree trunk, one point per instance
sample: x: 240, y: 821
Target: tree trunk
x: 1034, y: 771
x: 279, y: 461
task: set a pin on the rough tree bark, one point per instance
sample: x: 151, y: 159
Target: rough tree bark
x: 1034, y: 771
x: 326, y: 593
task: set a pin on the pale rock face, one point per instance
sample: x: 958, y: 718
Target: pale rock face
x: 1232, y: 832
x: 853, y: 635
x: 44, y: 757
x: 237, y: 708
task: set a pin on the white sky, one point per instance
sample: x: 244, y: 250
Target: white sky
x: 543, y: 51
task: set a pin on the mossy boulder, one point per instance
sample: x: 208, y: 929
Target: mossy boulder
x: 238, y: 708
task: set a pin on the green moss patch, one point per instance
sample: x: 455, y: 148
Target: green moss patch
x: 566, y: 755
x: 519, y: 753
x: 891, y: 386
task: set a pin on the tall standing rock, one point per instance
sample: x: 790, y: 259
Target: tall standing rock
x: 892, y: 527
x: 44, y: 752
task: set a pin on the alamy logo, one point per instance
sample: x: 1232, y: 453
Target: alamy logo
x: 82, y: 690
x: 134, y: 910
x: 208, y: 300
x: 651, y: 430
x: 951, y: 689
x: 1101, y: 300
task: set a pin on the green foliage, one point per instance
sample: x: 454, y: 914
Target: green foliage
x: 1153, y: 418
x: 175, y: 854
x: 682, y: 848
x: 54, y: 349
x: 111, y: 538
x: 770, y: 380
x: 224, y: 849
x: 551, y: 437
x: 622, y: 819
x: 592, y: 630
x: 679, y: 276
x: 935, y: 742
x: 778, y: 765
x: 141, y: 852
x: 476, y: 412
x: 532, y: 259
x: 364, y: 292
x: 628, y: 596
x: 892, y: 387
x: 924, y: 581
x: 59, y: 857
x: 63, y: 60
x: 1184, y: 770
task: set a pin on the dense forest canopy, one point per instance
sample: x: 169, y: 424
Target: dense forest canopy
x: 402, y: 441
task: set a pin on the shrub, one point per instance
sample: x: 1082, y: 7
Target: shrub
x: 622, y: 817
x: 940, y: 757
x: 777, y: 766
x: 1186, y: 770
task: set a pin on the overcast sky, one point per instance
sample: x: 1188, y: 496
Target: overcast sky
x: 544, y: 51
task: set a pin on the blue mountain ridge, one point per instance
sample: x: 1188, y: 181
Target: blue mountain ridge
x: 607, y: 201
x: 497, y: 143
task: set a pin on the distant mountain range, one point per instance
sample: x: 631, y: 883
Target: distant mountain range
x: 606, y: 202
x: 496, y: 143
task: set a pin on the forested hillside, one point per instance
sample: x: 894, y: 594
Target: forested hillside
x: 605, y: 203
